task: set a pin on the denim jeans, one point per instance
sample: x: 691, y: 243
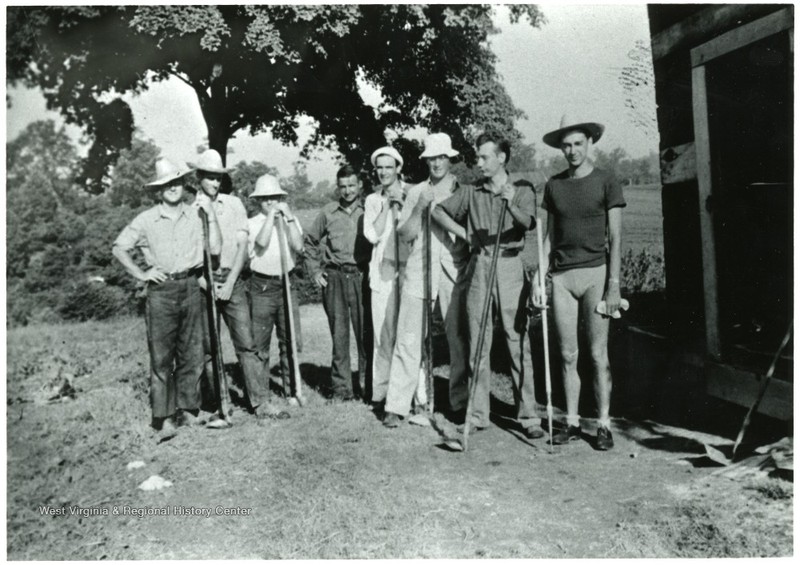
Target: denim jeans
x: 173, y: 313
x: 343, y: 300
x: 236, y: 313
x: 268, y: 311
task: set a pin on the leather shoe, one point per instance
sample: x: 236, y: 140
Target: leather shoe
x: 532, y: 432
x: 472, y: 428
x: 605, y: 440
x: 391, y: 420
x: 566, y: 435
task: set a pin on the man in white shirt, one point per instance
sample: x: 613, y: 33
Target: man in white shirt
x: 266, y: 282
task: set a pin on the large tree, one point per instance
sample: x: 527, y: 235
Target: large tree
x: 263, y: 68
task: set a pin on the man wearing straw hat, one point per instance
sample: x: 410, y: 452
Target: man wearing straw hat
x: 172, y: 233
x: 481, y: 207
x: 448, y: 261
x: 381, y: 208
x: 231, y: 289
x: 584, y: 206
x: 266, y: 284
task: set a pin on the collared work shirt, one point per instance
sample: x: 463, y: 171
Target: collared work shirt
x: 268, y: 261
x: 448, y: 253
x: 383, y: 243
x: 232, y: 220
x: 174, y: 244
x: 482, y: 208
x: 336, y: 237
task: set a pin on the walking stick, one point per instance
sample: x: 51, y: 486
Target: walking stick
x: 287, y: 292
x: 428, y: 309
x: 487, y: 303
x: 213, y: 330
x: 542, y: 267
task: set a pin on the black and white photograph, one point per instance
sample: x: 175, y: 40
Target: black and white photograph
x: 399, y: 281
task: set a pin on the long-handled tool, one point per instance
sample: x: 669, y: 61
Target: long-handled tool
x: 426, y: 226
x: 395, y: 207
x: 543, y: 262
x: 487, y: 303
x: 220, y: 377
x: 294, y: 362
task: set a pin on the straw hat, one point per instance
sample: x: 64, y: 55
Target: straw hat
x: 267, y: 185
x: 390, y: 151
x: 167, y: 171
x: 569, y: 123
x: 210, y: 162
x: 438, y: 144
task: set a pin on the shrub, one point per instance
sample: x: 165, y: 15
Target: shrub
x: 642, y: 272
x: 94, y: 301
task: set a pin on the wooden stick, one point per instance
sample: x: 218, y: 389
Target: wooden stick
x: 543, y: 290
x: 287, y: 292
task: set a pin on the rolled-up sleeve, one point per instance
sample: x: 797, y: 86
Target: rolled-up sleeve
x: 132, y: 235
x: 457, y: 205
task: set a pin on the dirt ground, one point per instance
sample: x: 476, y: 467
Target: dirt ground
x: 331, y: 482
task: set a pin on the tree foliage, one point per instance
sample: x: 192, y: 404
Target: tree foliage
x: 265, y: 67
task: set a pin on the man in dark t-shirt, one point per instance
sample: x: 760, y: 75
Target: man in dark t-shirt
x: 584, y: 206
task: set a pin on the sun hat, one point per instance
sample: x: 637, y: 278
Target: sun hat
x: 267, y: 185
x: 210, y: 162
x: 167, y: 171
x: 438, y: 144
x: 390, y: 151
x: 568, y: 123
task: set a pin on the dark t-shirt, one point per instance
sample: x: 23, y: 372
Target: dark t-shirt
x: 579, y: 208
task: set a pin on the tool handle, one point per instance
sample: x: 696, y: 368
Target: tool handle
x: 429, y: 300
x: 287, y: 289
x: 213, y: 328
x: 545, y: 339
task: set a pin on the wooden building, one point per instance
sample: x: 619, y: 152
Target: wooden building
x: 724, y: 89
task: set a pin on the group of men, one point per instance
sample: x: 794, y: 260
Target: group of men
x: 373, y: 258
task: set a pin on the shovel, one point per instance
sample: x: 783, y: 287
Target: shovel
x: 287, y: 291
x: 224, y: 418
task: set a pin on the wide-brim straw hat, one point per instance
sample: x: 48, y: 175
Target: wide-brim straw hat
x: 210, y: 162
x: 438, y: 144
x: 388, y: 150
x: 167, y: 171
x: 267, y: 185
x: 569, y: 123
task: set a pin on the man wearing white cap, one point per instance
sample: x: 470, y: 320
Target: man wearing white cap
x: 231, y: 290
x: 448, y: 261
x: 172, y: 233
x: 381, y: 209
x: 583, y: 204
x: 266, y: 284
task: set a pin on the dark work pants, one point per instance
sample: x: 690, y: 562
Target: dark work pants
x: 267, y: 311
x: 343, y: 300
x: 236, y: 313
x: 173, y: 313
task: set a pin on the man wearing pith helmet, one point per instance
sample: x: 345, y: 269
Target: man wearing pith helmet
x: 231, y: 291
x: 448, y: 262
x: 172, y: 234
x: 583, y: 237
x: 268, y: 308
x: 381, y: 208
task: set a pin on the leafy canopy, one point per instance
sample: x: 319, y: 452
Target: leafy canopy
x: 260, y: 68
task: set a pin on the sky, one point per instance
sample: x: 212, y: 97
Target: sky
x: 574, y: 64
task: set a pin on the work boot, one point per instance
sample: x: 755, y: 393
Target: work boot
x: 392, y: 420
x: 379, y: 409
x: 605, y: 440
x: 532, y: 432
x: 566, y: 435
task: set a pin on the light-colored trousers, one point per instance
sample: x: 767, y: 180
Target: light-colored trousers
x: 408, y: 377
x: 384, y: 328
x: 508, y: 302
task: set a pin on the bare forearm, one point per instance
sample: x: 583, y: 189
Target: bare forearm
x: 265, y: 233
x: 239, y: 259
x: 409, y: 230
x: 521, y: 219
x: 443, y: 219
x: 294, y: 236
x: 128, y: 263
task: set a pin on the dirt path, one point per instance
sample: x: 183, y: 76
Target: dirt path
x: 330, y: 482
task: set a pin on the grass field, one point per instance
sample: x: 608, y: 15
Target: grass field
x: 331, y: 482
